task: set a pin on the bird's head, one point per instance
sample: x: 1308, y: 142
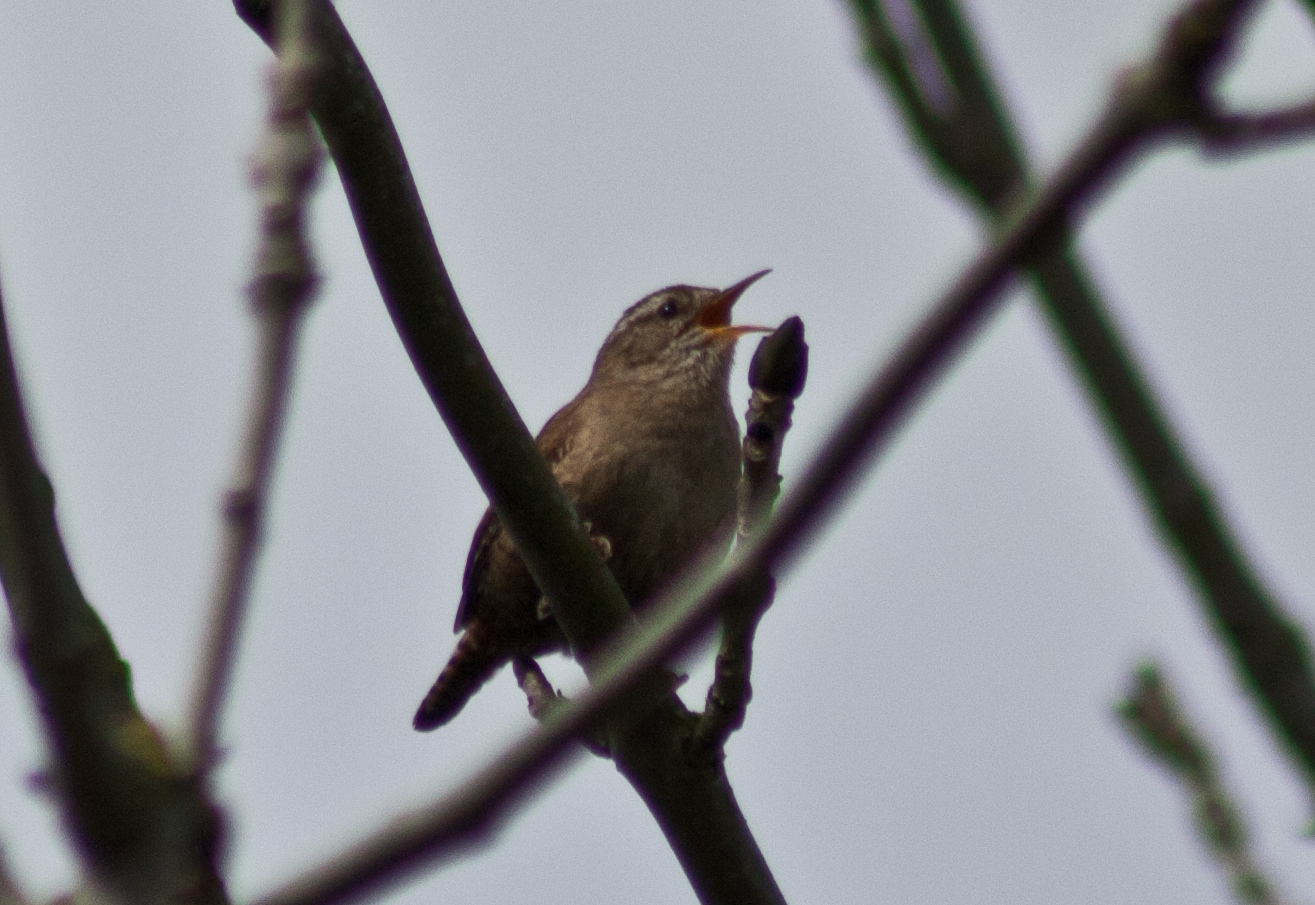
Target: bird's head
x: 680, y: 330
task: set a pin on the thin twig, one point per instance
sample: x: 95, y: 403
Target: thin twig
x: 776, y: 378
x: 1232, y: 132
x: 1152, y: 716
x: 478, y: 807
x: 284, y: 167
x: 975, y: 147
x: 731, y: 690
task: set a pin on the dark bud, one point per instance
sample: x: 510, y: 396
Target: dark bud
x: 780, y: 365
x: 258, y: 14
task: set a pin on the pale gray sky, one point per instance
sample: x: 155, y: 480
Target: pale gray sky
x: 931, y: 720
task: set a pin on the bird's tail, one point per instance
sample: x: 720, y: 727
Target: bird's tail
x: 471, y: 665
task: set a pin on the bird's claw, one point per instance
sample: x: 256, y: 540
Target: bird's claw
x: 600, y: 541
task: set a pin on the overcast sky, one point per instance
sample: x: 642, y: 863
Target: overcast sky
x: 931, y: 720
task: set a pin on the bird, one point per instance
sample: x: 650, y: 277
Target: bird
x: 649, y: 454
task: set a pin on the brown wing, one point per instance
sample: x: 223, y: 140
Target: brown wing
x: 476, y: 563
x: 553, y: 442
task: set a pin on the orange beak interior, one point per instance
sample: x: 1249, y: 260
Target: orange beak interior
x: 715, y: 316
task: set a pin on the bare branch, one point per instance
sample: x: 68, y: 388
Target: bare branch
x: 285, y: 167
x: 1152, y: 716
x: 886, y: 49
x: 422, y: 837
x: 730, y: 692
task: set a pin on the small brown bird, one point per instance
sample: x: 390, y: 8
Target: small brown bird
x: 649, y: 454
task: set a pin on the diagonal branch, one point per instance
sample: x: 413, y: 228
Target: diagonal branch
x: 1268, y: 650
x: 477, y: 808
x: 10, y: 893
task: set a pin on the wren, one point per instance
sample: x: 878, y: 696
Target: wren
x: 649, y: 455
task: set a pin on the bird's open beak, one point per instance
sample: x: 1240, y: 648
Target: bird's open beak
x: 715, y: 316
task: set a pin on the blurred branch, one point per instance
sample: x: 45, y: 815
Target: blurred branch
x: 285, y: 167
x: 1152, y: 716
x: 974, y: 146
x: 777, y: 374
x: 10, y: 894
x: 1238, y: 132
x: 143, y: 829
x: 1135, y: 113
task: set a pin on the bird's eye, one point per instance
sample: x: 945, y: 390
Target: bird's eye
x: 668, y: 310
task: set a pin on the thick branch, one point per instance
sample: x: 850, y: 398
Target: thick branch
x: 285, y: 167
x: 1267, y: 648
x: 690, y: 797
x: 687, y: 609
x: 143, y: 831
x: 1152, y: 716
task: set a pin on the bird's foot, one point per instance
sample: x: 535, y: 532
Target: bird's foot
x: 544, y: 700
x: 600, y: 541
